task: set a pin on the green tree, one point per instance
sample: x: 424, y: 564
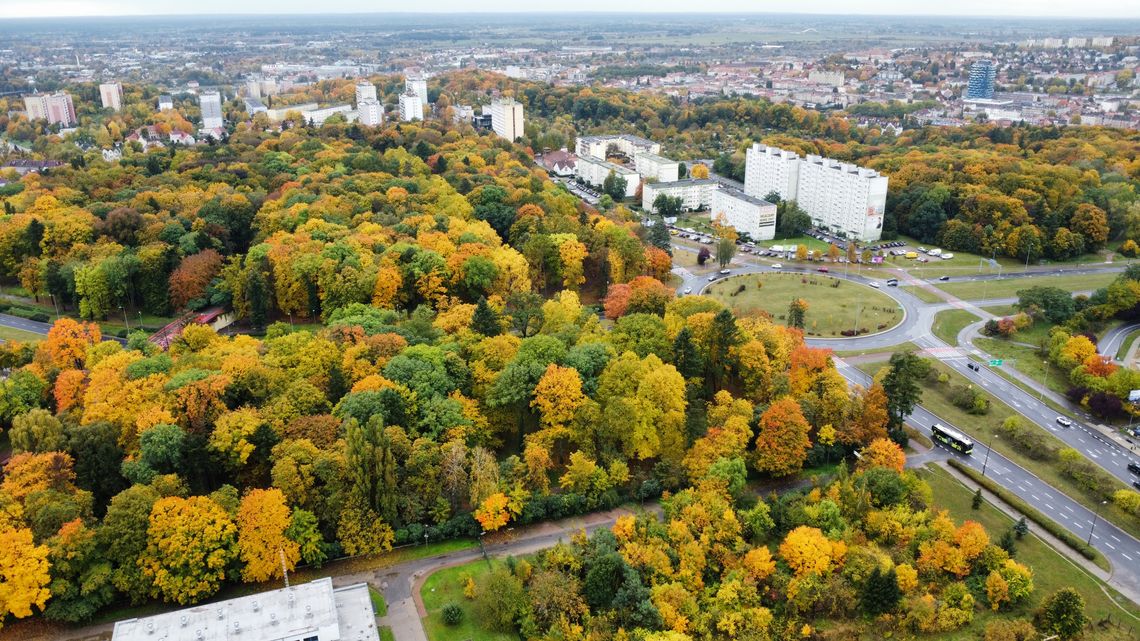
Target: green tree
x: 1051, y: 303
x: 797, y: 313
x: 123, y: 536
x: 500, y: 599
x: 880, y: 593
x: 485, y: 320
x: 81, y: 574
x: 903, y: 390
x: 659, y: 235
x: 686, y: 358
x: 614, y: 186
x: 1063, y: 613
x: 725, y: 252
x: 371, y: 467
x: 668, y: 206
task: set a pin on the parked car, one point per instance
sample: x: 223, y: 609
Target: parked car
x: 776, y: 266
x: 822, y: 269
x: 1064, y: 421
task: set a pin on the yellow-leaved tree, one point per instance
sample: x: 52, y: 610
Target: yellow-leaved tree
x: 190, y: 543
x: 262, y: 519
x: 24, y: 574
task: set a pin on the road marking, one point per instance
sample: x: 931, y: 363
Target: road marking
x: 1067, y: 508
x: 1035, y: 497
x: 1049, y: 506
x: 1125, y: 556
x: 1115, y: 539
x: 1111, y: 546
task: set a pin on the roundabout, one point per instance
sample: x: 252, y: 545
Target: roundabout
x: 836, y: 307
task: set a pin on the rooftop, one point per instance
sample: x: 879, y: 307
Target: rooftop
x: 739, y: 195
x: 312, y: 611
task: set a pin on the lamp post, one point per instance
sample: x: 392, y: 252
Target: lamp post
x: 483, y: 548
x: 54, y: 305
x: 125, y: 323
x: 989, y: 447
x: 1096, y: 515
x: 1045, y: 364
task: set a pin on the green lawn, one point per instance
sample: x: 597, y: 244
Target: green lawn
x: 923, y: 294
x: 446, y: 586
x: 830, y: 309
x: 1026, y: 360
x: 948, y: 323
x: 879, y: 350
x: 386, y: 634
x: 379, y: 605
x: 983, y: 429
x: 1051, y: 570
x: 18, y: 335
x: 1001, y: 310
x: 399, y: 555
x: 1008, y: 287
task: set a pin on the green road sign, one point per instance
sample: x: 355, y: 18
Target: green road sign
x: 995, y: 362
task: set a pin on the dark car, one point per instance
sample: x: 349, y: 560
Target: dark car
x: 944, y: 278
x: 1134, y: 468
x: 1136, y: 484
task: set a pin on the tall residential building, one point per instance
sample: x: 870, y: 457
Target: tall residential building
x: 981, y: 85
x: 370, y: 113
x: 211, y: 105
x: 769, y: 169
x: 419, y: 87
x: 111, y: 93
x: 55, y: 108
x: 507, y: 118
x: 365, y: 91
x: 837, y: 195
x: 746, y: 214
x: 411, y: 107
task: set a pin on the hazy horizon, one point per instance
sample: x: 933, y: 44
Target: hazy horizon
x: 1091, y: 9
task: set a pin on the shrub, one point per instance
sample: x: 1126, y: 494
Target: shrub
x: 1128, y: 501
x: 452, y: 614
x: 1026, y: 440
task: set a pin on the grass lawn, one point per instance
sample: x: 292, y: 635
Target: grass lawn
x: 1008, y: 287
x: 1128, y: 340
x: 923, y: 294
x: 386, y: 634
x: 379, y: 605
x: 879, y: 350
x: 948, y: 323
x: 399, y: 555
x: 446, y: 586
x: 1026, y: 360
x: 1051, y: 570
x: 983, y: 428
x: 19, y: 335
x: 831, y: 309
x: 1001, y: 310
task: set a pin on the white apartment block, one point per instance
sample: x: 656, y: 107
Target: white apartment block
x: 417, y: 86
x: 833, y: 78
x: 314, y: 611
x: 694, y: 194
x: 658, y: 168
x: 411, y: 106
x: 319, y: 116
x: 599, y: 146
x: 370, y: 113
x: 747, y: 215
x: 211, y: 105
x: 111, y: 95
x: 507, y: 118
x: 594, y: 170
x: 365, y: 92
x: 56, y: 108
x: 840, y: 196
x: 1102, y: 41
x: 768, y: 169
x: 843, y: 197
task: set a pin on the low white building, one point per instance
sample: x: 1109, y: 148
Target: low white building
x: 307, y: 612
x: 658, y: 168
x: 411, y: 107
x: 593, y: 171
x: 748, y: 215
x: 694, y: 194
x: 319, y: 116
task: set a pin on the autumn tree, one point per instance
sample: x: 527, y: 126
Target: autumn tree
x: 189, y: 281
x: 67, y: 341
x: 262, y: 521
x: 190, y: 546
x: 782, y: 442
x: 797, y: 311
x: 24, y: 574
x: 807, y: 551
x: 882, y: 453
x: 494, y: 512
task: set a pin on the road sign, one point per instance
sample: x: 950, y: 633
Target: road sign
x: 996, y: 362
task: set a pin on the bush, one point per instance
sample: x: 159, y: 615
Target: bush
x: 969, y: 399
x: 1128, y: 501
x: 452, y: 614
x: 1087, y: 474
x: 1028, y: 440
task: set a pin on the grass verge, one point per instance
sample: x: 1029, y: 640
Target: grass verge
x: 1007, y: 287
x: 386, y: 634
x: 948, y: 323
x: 1033, y: 514
x: 446, y: 586
x: 878, y: 350
x: 1126, y: 343
x: 18, y: 335
x: 1026, y: 360
x: 1051, y: 569
x: 923, y: 294
x: 379, y: 605
x: 986, y: 428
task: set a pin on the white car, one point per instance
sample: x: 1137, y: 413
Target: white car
x: 777, y: 266
x: 725, y: 272
x: 875, y: 285
x: 688, y: 290
x: 1064, y: 421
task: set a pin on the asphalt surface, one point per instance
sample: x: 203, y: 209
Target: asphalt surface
x: 1110, y: 344
x: 37, y: 327
x: 1120, y: 548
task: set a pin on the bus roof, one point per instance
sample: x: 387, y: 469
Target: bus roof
x: 949, y: 431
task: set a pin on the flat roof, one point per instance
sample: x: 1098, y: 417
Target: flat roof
x: 313, y: 610
x: 627, y: 137
x: 691, y: 182
x: 739, y: 195
x: 654, y: 157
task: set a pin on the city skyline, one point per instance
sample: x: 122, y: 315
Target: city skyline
x: 1065, y: 8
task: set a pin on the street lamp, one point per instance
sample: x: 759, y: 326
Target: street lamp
x: 1096, y: 515
x: 483, y: 548
x: 1041, y: 396
x: 989, y: 446
x: 125, y: 323
x: 54, y: 306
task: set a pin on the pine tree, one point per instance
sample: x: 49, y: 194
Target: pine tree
x: 1021, y: 528
x: 686, y: 358
x: 1008, y: 541
x: 976, y: 503
x: 486, y: 321
x: 881, y: 592
x: 659, y: 236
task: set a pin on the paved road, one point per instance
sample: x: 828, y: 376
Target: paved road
x: 1110, y: 344
x: 37, y: 327
x: 1120, y: 548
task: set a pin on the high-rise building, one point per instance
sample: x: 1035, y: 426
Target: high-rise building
x: 411, y: 107
x: 370, y: 113
x: 981, y: 85
x: 211, y: 105
x: 507, y: 118
x: 111, y: 93
x: 419, y: 87
x: 837, y: 195
x: 365, y: 91
x: 55, y: 108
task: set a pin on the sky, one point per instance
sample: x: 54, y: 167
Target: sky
x: 1028, y: 8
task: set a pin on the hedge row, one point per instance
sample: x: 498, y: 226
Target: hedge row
x: 1050, y: 526
x: 29, y: 313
